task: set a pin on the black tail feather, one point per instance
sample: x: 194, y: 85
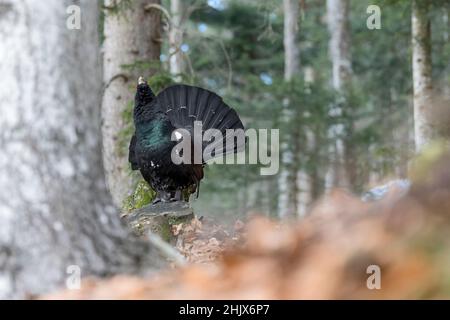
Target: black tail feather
x: 185, y: 104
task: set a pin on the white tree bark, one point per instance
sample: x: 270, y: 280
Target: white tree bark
x: 287, y: 187
x: 421, y: 65
x: 132, y: 38
x: 283, y: 187
x: 340, y: 55
x: 446, y: 38
x: 55, y: 210
x: 305, y: 183
x: 291, y: 10
x: 338, y: 26
x: 177, y: 59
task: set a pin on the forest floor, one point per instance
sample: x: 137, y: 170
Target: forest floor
x: 330, y: 254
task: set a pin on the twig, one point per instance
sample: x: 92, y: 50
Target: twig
x: 227, y: 58
x: 191, y: 68
x: 159, y: 7
x: 167, y: 250
x: 230, y: 66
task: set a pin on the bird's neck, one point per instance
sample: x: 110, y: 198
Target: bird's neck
x: 143, y: 112
x: 154, y: 131
x: 143, y: 102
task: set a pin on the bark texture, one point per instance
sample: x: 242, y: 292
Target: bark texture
x: 421, y: 65
x: 287, y: 182
x: 291, y: 10
x: 55, y: 210
x: 177, y: 59
x: 132, y: 48
x: 339, y: 29
x: 340, y: 56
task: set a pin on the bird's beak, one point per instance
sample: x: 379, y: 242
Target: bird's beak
x: 141, y: 81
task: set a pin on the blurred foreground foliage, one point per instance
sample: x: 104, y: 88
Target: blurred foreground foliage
x: 325, y: 256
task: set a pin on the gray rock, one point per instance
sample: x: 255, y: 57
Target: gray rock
x: 159, y: 218
x: 402, y: 186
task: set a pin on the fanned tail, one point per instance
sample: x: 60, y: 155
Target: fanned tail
x: 185, y: 105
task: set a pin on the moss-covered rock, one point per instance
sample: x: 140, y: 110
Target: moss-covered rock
x: 142, y: 196
x: 159, y: 219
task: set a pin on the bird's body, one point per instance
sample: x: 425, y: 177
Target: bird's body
x: 156, y: 118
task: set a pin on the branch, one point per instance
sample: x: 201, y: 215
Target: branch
x: 159, y: 7
x: 166, y: 249
x: 227, y: 58
x: 230, y: 66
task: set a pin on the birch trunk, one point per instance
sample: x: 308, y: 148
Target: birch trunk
x: 177, y: 62
x: 338, y: 26
x: 305, y: 183
x: 132, y: 38
x: 339, y: 47
x: 446, y: 38
x: 55, y: 211
x: 421, y: 65
x: 291, y: 10
x: 287, y: 183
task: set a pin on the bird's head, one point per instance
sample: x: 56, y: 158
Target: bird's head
x: 141, y: 81
x: 144, y: 94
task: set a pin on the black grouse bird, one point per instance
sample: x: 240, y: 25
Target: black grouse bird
x: 157, y: 117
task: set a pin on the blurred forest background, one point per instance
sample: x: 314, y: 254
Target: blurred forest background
x: 350, y: 84
x: 340, y: 93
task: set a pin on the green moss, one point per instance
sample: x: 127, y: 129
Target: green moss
x: 141, y: 196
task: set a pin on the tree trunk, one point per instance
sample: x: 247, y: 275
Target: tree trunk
x: 55, y: 210
x: 446, y: 39
x: 340, y: 55
x: 338, y: 26
x: 421, y: 65
x: 132, y: 47
x: 177, y: 62
x: 291, y: 10
x: 305, y: 183
x: 287, y: 183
